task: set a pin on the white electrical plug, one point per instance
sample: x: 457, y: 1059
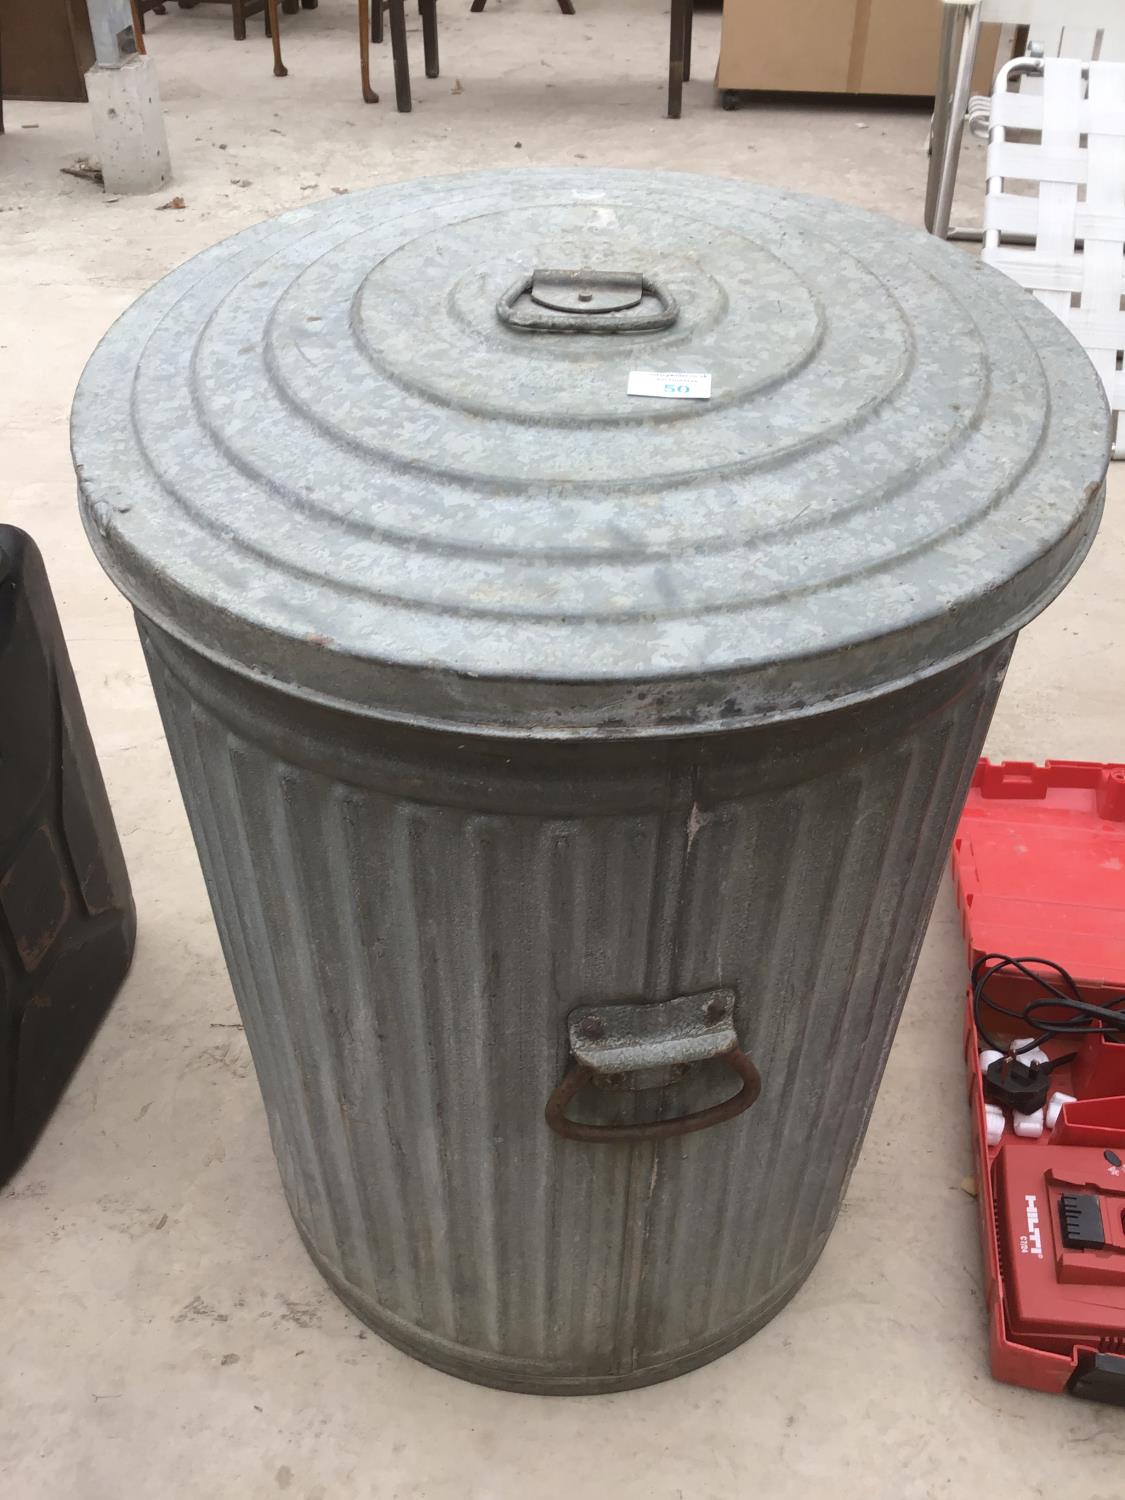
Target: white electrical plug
x: 994, y: 1123
x: 1055, y: 1107
x: 1030, y: 1125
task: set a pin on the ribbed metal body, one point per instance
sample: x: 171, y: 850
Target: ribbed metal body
x: 409, y: 916
x: 573, y: 764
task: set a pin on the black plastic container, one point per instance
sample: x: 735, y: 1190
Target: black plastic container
x: 67, y: 921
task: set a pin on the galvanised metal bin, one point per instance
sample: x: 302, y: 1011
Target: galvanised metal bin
x: 572, y: 771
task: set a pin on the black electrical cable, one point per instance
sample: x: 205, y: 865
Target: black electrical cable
x: 1082, y: 1015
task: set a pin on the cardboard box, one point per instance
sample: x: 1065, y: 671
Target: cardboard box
x: 835, y: 46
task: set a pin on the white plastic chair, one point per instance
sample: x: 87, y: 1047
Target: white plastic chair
x: 1084, y: 29
x: 1074, y: 222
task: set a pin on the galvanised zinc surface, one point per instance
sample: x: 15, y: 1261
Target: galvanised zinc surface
x: 409, y: 917
x: 317, y: 461
x: 315, y: 453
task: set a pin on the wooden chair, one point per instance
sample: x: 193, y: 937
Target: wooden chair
x: 566, y: 6
x: 240, y: 9
x: 679, y: 48
x: 679, y: 54
x: 371, y: 30
x: 140, y: 9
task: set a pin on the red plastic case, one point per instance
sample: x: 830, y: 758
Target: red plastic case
x: 1039, y: 866
x: 1039, y: 869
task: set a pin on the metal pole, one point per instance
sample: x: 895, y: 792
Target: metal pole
x: 961, y: 34
x: 111, y: 22
x: 125, y: 104
x: 939, y: 125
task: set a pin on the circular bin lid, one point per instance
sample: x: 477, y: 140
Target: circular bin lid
x: 381, y: 452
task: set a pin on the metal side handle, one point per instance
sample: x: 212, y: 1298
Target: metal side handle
x: 612, y: 1041
x: 587, y: 301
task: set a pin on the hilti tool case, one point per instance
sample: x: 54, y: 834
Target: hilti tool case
x: 1039, y: 869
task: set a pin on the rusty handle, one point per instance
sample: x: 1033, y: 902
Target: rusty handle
x: 578, y: 1075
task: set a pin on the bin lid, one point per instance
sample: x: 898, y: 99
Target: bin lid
x: 381, y: 451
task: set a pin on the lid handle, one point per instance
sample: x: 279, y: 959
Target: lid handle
x: 587, y: 301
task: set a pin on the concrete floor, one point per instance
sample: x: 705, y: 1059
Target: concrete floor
x: 163, y: 1332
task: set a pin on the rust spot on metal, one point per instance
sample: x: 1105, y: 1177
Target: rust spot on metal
x: 578, y: 1075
